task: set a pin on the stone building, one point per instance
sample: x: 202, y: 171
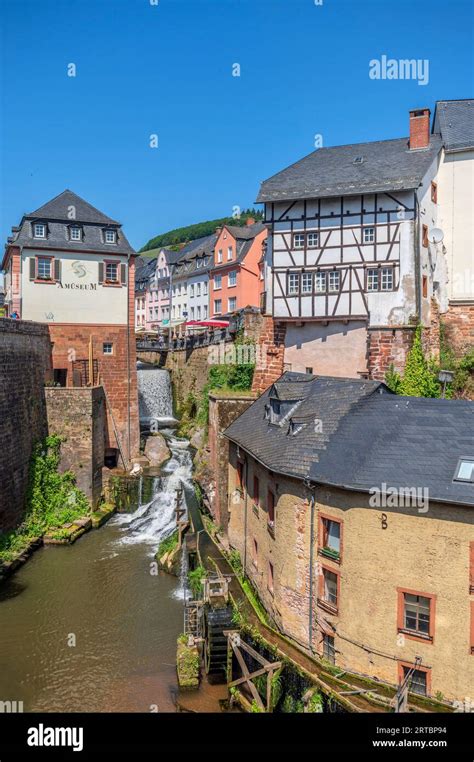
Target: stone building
x: 353, y: 512
x: 70, y: 266
x: 367, y: 240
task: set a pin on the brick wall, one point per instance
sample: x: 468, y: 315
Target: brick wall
x: 71, y: 344
x: 271, y: 352
x: 386, y: 347
x: 458, y: 323
x: 25, y: 357
x: 223, y: 411
x: 79, y: 415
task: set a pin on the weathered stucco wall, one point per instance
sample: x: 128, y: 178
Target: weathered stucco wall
x: 335, y: 349
x: 25, y: 358
x: 79, y: 415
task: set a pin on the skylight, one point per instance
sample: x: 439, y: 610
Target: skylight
x: 465, y: 470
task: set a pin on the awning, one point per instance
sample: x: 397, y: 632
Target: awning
x: 208, y: 323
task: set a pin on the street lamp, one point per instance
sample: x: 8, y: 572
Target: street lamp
x: 445, y: 377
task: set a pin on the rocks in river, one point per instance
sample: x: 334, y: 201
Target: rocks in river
x: 156, y: 449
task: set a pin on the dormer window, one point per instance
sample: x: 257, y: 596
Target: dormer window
x: 75, y: 233
x: 110, y: 236
x: 39, y: 230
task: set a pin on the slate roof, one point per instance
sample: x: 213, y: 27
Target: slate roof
x: 55, y: 214
x: 387, y: 165
x: 244, y: 238
x: 144, y: 274
x: 187, y: 257
x: 455, y: 121
x: 321, y: 398
x: 404, y: 442
x: 368, y: 437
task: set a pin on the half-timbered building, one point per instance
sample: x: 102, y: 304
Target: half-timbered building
x: 351, y: 263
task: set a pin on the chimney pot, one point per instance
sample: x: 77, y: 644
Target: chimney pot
x: 419, y: 128
x: 250, y: 221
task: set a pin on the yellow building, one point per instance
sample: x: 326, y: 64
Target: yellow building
x: 352, y: 510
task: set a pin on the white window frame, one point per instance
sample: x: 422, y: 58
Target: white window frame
x: 106, y: 351
x: 75, y: 229
x: 386, y: 279
x: 232, y: 276
x: 334, y: 275
x: 49, y: 262
x: 300, y: 244
x: 217, y: 311
x: 368, y: 234
x: 304, y: 289
x: 217, y: 282
x: 372, y: 279
x: 43, y: 228
x: 219, y: 256
x: 320, y: 282
x: 113, y: 233
x: 230, y: 307
x: 315, y: 243
x: 117, y: 272
x: 229, y: 253
x: 293, y: 287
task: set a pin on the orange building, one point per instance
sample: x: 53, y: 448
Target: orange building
x: 237, y: 278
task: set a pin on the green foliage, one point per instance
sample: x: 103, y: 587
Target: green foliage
x: 315, y: 704
x: 169, y: 543
x: 235, y: 377
x: 173, y: 238
x: 463, y: 368
x: 52, y: 499
x: 418, y: 379
x: 255, y: 708
x: 291, y: 705
x: 195, y: 578
x: 236, y: 562
x: 393, y: 379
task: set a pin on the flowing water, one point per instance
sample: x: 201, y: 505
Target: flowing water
x: 89, y: 627
x: 154, y: 396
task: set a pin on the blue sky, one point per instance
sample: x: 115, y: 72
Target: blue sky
x: 166, y: 69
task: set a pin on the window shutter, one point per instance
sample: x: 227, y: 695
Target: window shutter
x: 123, y: 274
x: 57, y: 269
x: 101, y: 272
x: 32, y: 268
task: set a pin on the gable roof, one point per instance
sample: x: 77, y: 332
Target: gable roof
x: 387, y: 165
x: 366, y: 436
x: 455, y: 121
x: 58, y: 208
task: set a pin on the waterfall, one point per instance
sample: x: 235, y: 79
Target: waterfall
x: 155, y: 519
x: 154, y: 397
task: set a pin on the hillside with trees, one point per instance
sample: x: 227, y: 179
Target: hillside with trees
x: 173, y: 238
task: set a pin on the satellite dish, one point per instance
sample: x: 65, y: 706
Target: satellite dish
x: 436, y: 235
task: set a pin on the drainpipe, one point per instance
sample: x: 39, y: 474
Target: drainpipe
x: 245, y: 513
x: 417, y: 259
x: 311, y: 488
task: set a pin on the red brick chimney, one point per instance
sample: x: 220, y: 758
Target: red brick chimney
x: 419, y: 128
x: 250, y: 221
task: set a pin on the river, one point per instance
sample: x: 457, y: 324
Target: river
x: 89, y: 627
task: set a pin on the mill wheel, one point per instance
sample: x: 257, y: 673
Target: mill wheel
x: 215, y: 649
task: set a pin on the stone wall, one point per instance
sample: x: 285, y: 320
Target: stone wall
x: 25, y: 359
x: 270, y: 354
x: 458, y: 323
x: 386, y: 347
x: 223, y: 410
x: 79, y: 415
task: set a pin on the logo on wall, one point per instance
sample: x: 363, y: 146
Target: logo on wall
x: 79, y: 269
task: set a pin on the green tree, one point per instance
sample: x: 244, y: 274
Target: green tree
x: 419, y: 379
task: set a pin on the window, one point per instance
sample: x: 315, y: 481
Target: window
x: 313, y: 239
x: 229, y: 252
x: 233, y: 278
x: 111, y: 272
x: 39, y: 230
x: 309, y: 371
x: 330, y: 538
x: 217, y: 282
x: 217, y: 306
x: 204, y: 289
x: 232, y: 303
x: 418, y: 682
x: 368, y: 235
x: 199, y: 312
x: 424, y: 286
x: 320, y: 282
x: 110, y: 236
x: 240, y: 475
x: 434, y: 192
x: 204, y: 311
x: 75, y: 233
x: 198, y: 289
x: 198, y: 262
x: 219, y: 255
x: 44, y: 268
x: 256, y: 492
x: 328, y: 592
x: 306, y: 283
x: 334, y: 280
x: 386, y: 283
x: 425, y: 236
x: 329, y: 652
x: 270, y: 578
x: 298, y: 241
x: 192, y: 289
x: 416, y: 614
x: 255, y: 553
x: 108, y: 348
x: 372, y: 280
x: 192, y: 313
x: 465, y: 470
x: 293, y: 283
x: 271, y: 510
